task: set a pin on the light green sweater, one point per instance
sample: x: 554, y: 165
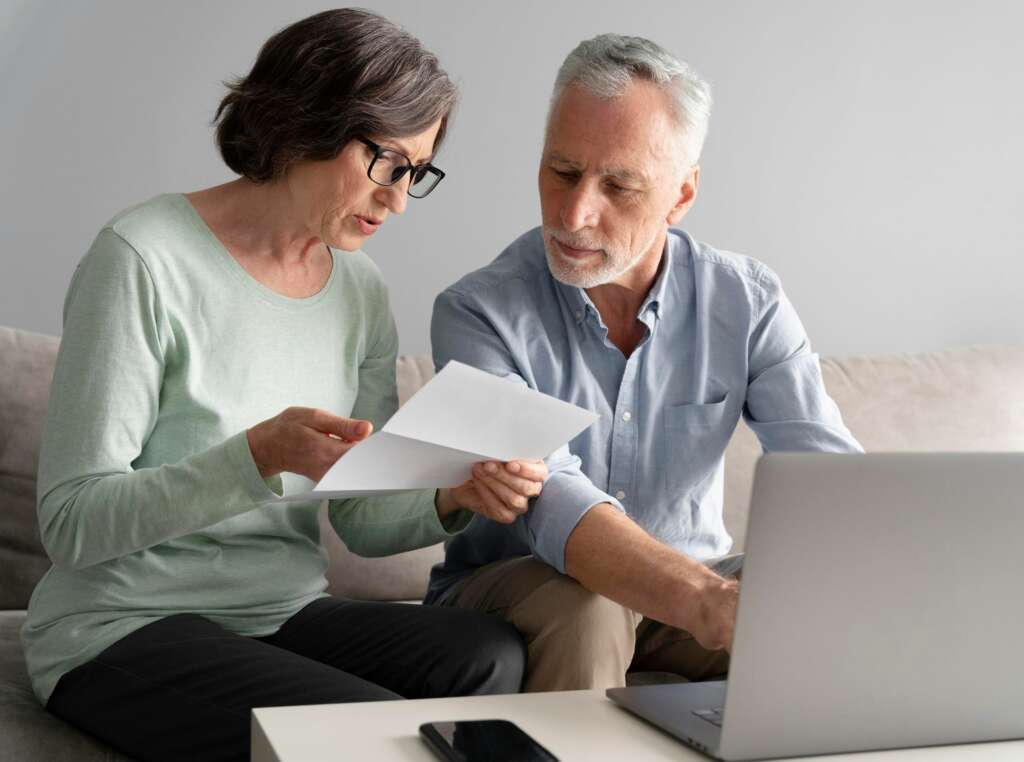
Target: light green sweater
x: 149, y: 501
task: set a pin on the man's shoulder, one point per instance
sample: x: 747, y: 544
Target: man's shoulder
x: 726, y: 265
x: 517, y: 268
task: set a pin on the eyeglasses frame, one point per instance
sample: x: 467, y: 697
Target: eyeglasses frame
x: 410, y: 168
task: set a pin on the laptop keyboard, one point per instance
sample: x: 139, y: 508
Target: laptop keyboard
x: 714, y: 716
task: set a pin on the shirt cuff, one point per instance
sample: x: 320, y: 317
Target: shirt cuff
x: 564, y: 501
x: 240, y: 456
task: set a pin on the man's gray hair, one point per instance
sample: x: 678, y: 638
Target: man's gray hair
x: 608, y: 63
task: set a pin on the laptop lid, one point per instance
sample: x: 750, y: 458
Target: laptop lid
x: 880, y: 604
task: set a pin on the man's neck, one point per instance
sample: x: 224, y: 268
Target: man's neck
x: 619, y: 301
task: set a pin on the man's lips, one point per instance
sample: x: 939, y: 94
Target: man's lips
x: 368, y: 225
x: 574, y: 253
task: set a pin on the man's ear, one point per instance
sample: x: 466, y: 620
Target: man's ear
x: 687, y: 195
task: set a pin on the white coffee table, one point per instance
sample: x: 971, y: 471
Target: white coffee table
x: 573, y: 725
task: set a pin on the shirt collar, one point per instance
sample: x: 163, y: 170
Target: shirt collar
x: 577, y: 300
x: 657, y: 296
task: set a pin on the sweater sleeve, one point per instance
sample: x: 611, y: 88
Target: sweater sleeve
x: 93, y: 504
x: 382, y: 525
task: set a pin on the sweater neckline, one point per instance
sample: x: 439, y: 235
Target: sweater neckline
x: 241, y: 275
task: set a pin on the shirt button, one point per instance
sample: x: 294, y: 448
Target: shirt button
x: 620, y: 495
x: 579, y: 314
x: 627, y: 415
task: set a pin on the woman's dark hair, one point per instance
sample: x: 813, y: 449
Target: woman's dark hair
x: 323, y: 81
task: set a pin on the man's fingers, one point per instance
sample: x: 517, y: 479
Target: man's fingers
x: 493, y: 507
x: 518, y: 484
x: 524, y: 476
x: 512, y: 500
x: 533, y: 470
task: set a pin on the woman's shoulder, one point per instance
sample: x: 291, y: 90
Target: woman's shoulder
x: 151, y: 222
x: 163, y: 235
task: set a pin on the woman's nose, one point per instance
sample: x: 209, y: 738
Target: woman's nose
x: 394, y: 197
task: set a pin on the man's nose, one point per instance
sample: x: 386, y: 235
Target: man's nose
x: 580, y: 209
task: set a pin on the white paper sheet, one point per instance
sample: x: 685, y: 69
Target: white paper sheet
x: 460, y: 417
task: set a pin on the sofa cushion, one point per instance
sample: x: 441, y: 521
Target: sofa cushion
x: 28, y: 732
x: 401, y: 577
x: 26, y: 368
x: 957, y: 400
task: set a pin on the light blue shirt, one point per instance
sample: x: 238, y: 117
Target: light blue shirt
x: 722, y: 341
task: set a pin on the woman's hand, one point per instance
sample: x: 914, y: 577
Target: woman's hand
x: 304, y: 440
x: 498, y: 491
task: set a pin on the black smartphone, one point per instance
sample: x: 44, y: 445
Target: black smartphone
x: 483, y: 741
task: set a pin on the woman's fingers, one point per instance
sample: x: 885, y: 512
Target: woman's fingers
x: 324, y: 452
x: 349, y: 429
x: 304, y: 440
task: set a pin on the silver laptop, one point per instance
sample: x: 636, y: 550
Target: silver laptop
x: 881, y: 607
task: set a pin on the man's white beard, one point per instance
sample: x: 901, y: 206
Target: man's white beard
x: 584, y: 274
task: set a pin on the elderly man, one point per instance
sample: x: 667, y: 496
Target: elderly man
x: 670, y: 341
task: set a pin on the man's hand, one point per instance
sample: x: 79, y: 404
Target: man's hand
x: 715, y: 622
x: 498, y: 491
x: 304, y: 441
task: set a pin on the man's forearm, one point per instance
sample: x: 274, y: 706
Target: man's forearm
x: 610, y: 555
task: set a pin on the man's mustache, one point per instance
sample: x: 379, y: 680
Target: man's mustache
x: 574, y: 241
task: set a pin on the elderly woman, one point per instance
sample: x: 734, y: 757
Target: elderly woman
x: 181, y: 596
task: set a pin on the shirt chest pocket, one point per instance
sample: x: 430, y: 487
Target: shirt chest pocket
x: 695, y: 439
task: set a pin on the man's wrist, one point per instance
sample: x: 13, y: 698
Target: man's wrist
x: 717, y: 593
x: 699, y: 591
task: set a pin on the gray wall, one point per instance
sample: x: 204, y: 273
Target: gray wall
x: 870, y: 152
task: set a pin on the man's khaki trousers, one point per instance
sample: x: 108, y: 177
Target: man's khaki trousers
x: 577, y: 639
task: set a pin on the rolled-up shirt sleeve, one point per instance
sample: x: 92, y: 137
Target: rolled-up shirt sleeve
x: 460, y: 330
x: 787, y: 405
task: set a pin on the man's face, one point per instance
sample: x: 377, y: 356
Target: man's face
x: 612, y: 179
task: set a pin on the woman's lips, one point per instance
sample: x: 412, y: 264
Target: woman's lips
x: 367, y: 225
x: 572, y: 253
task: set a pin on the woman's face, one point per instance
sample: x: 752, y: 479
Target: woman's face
x: 342, y: 204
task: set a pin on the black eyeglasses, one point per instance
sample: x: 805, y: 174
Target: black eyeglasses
x: 389, y: 166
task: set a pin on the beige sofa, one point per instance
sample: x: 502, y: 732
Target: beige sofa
x: 962, y: 399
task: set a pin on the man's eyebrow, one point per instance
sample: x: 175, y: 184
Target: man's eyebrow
x: 556, y: 156
x: 619, y: 173
x: 622, y: 173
